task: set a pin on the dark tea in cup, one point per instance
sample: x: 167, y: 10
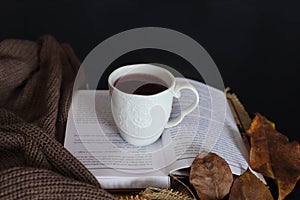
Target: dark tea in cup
x: 140, y: 84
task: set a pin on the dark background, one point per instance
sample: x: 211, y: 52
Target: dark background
x: 255, y: 43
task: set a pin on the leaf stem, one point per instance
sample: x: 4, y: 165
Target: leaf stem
x: 182, y: 183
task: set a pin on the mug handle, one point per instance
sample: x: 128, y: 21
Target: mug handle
x: 179, y: 86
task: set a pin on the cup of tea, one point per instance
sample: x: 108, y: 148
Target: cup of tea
x: 141, y: 97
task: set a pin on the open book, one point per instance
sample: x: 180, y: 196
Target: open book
x: 92, y: 137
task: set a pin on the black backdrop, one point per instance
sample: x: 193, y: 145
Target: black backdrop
x: 255, y: 43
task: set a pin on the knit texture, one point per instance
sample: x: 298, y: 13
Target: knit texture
x: 36, y: 81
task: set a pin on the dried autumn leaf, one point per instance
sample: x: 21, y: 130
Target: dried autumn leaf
x: 249, y: 187
x: 273, y: 155
x: 211, y: 176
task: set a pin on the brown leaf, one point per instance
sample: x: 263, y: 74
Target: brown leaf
x: 249, y: 187
x: 211, y: 176
x: 273, y: 155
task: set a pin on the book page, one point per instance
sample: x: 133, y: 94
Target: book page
x: 215, y: 131
x: 92, y: 137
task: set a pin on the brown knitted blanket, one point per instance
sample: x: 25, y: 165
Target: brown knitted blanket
x: 36, y: 80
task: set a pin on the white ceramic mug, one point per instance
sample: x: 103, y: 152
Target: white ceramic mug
x: 141, y: 119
